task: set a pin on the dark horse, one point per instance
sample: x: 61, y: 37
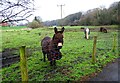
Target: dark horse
x: 102, y: 29
x: 51, y: 47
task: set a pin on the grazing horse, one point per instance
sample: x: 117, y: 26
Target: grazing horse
x: 102, y: 29
x: 51, y: 47
x: 87, y: 32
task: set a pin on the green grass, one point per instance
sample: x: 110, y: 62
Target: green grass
x: 13, y: 27
x: 75, y: 27
x: 76, y: 61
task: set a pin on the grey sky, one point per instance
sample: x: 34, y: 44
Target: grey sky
x: 48, y: 10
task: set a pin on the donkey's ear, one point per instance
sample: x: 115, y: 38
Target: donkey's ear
x: 55, y: 30
x: 62, y: 29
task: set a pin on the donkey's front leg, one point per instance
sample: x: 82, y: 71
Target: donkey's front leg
x: 54, y: 63
x: 51, y: 63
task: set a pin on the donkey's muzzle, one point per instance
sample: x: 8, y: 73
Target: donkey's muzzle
x: 59, y: 45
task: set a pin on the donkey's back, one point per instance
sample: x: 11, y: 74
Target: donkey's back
x: 45, y: 44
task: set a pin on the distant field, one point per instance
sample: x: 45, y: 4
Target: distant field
x: 106, y: 26
x: 75, y: 63
x: 76, y: 27
x: 12, y: 27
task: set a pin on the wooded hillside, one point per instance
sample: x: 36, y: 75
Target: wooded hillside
x: 97, y: 16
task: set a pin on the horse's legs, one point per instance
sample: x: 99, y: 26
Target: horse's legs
x: 87, y: 36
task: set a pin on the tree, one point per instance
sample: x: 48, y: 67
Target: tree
x: 36, y: 23
x: 15, y: 10
x: 38, y: 19
x: 114, y: 10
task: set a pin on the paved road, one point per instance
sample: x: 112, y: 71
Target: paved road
x: 109, y: 73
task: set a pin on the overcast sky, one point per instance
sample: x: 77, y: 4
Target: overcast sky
x: 48, y: 9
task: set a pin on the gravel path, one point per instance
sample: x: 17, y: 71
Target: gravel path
x: 111, y: 72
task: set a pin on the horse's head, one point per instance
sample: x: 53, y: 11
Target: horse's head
x: 58, y: 38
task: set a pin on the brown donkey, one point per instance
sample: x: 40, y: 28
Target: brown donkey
x: 51, y: 47
x: 102, y: 29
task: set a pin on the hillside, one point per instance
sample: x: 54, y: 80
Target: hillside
x: 97, y: 16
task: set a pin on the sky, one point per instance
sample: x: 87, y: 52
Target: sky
x: 49, y: 9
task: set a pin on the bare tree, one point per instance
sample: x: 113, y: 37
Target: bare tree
x: 15, y: 10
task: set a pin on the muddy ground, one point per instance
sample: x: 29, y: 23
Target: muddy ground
x: 10, y: 56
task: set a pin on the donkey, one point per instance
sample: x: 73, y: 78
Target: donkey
x: 102, y: 29
x: 51, y: 46
x: 87, y: 33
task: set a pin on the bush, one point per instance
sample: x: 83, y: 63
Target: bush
x: 34, y: 24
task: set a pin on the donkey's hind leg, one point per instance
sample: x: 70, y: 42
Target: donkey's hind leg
x: 44, y: 56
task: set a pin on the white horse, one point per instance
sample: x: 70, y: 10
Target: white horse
x: 87, y: 32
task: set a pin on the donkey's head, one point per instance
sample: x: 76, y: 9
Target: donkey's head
x: 58, y: 38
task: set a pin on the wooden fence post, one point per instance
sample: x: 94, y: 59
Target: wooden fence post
x: 114, y: 43
x: 94, y: 50
x: 23, y: 64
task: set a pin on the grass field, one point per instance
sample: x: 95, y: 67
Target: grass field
x: 15, y: 27
x: 76, y: 61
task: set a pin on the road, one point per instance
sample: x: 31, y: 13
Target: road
x: 111, y: 72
